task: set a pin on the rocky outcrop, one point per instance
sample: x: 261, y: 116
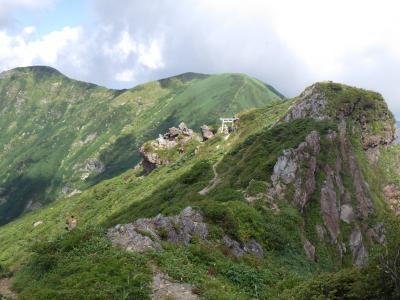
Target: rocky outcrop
x: 321, y: 232
x: 364, y: 204
x: 309, y: 249
x: 173, y: 138
x: 297, y: 168
x: 206, y: 133
x: 146, y: 234
x: 359, y: 252
x: 238, y: 250
x: 386, y: 136
x: 329, y: 205
x: 392, y: 197
x: 311, y: 104
x: 346, y: 213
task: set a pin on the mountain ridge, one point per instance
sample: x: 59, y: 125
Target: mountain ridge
x: 61, y: 136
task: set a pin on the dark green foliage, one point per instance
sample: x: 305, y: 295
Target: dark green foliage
x: 256, y: 157
x: 369, y: 283
x: 82, y: 264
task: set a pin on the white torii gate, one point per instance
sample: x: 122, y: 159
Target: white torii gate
x: 225, y: 124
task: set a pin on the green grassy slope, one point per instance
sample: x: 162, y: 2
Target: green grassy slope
x: 60, y: 135
x: 50, y: 263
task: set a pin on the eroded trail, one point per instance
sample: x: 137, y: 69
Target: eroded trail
x: 5, y: 289
x: 164, y: 288
x: 213, y: 182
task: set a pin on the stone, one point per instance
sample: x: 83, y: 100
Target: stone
x: 329, y: 205
x: 206, y: 132
x: 146, y: 233
x: 185, y: 130
x: 346, y: 213
x: 311, y: 104
x: 321, y: 232
x: 309, y: 249
x: 392, y: 197
x: 173, y: 138
x: 359, y: 252
x: 238, y: 250
x: 71, y: 222
x: 297, y: 167
x: 376, y: 233
x: 364, y: 204
x: 37, y: 223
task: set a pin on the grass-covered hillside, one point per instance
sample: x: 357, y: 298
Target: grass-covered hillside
x: 59, y: 136
x: 311, y: 182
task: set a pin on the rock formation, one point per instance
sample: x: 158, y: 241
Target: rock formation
x: 309, y: 249
x: 206, y: 133
x: 360, y: 253
x: 311, y: 104
x: 392, y: 197
x: 146, y: 234
x: 173, y: 138
x: 290, y: 165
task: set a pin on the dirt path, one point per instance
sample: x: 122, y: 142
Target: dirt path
x: 5, y: 289
x: 164, y: 288
x: 213, y: 182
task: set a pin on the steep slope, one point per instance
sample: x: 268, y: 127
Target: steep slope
x: 60, y: 136
x: 297, y: 203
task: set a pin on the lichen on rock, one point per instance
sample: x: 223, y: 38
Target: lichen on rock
x: 297, y: 168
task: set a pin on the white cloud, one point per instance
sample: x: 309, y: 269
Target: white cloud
x: 19, y: 50
x: 125, y: 76
x: 150, y: 56
x: 288, y: 43
x: 28, y: 30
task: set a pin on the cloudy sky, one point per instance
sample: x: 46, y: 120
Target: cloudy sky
x: 288, y: 44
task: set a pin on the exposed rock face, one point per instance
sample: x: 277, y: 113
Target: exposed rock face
x: 290, y: 166
x: 206, y: 133
x: 360, y: 253
x: 146, y: 234
x: 311, y: 104
x: 321, y: 232
x: 174, y: 137
x: 329, y: 205
x: 376, y: 233
x: 364, y: 204
x: 392, y: 197
x: 238, y: 250
x: 386, y: 136
x: 346, y: 213
x: 309, y: 249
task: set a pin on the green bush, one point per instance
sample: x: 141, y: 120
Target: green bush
x: 82, y: 264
